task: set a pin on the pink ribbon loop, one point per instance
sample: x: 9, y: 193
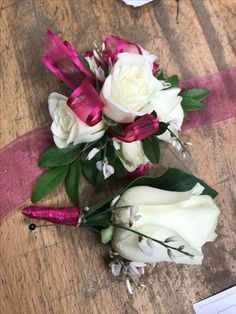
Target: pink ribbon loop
x: 62, y: 59
x: 138, y: 130
x: 86, y: 103
x: 115, y: 45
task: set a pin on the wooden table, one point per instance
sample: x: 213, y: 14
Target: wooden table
x: 62, y: 270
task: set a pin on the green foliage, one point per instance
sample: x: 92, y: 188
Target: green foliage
x: 173, y: 80
x: 162, y: 128
x: 89, y: 169
x: 55, y: 157
x: 152, y: 149
x: 66, y: 90
x: 47, y: 182
x: 191, y: 98
x: 72, y: 181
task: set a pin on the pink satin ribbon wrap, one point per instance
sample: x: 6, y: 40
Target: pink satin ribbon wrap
x: 56, y: 215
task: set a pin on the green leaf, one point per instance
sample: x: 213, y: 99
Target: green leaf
x: 72, y: 181
x: 55, y: 157
x: 162, y: 128
x: 47, y: 182
x: 106, y: 234
x: 190, y: 104
x: 91, y: 173
x: 99, y: 221
x: 173, y: 80
x: 195, y: 93
x: 114, y: 161
x: 152, y: 149
x: 66, y: 90
x: 85, y: 64
x: 174, y: 180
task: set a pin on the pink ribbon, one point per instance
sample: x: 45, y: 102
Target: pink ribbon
x: 141, y: 128
x: 86, y: 103
x: 19, y: 169
x: 63, y: 61
x: 115, y: 45
x: 221, y: 102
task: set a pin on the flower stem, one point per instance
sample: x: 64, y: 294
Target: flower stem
x: 184, y: 148
x: 155, y: 240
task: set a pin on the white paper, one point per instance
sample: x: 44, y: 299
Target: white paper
x: 221, y: 303
x: 137, y: 3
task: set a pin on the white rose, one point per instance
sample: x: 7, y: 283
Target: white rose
x: 169, y: 109
x: 188, y: 217
x: 131, y: 90
x: 67, y: 127
x: 132, y: 155
x: 137, y: 3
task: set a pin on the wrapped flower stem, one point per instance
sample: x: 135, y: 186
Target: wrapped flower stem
x: 167, y: 218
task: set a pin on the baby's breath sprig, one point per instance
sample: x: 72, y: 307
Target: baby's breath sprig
x: 167, y: 246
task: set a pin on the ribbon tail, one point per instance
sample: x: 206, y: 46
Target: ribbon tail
x: 115, y: 45
x: 19, y: 169
x: 63, y: 60
x: 221, y: 102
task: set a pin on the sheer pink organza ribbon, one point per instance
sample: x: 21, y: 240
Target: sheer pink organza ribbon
x: 221, y: 102
x: 18, y: 168
x: 63, y: 60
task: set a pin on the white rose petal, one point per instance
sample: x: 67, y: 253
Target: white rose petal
x: 132, y: 155
x: 67, y: 128
x: 187, y: 217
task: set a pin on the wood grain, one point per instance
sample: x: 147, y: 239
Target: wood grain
x: 62, y: 270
